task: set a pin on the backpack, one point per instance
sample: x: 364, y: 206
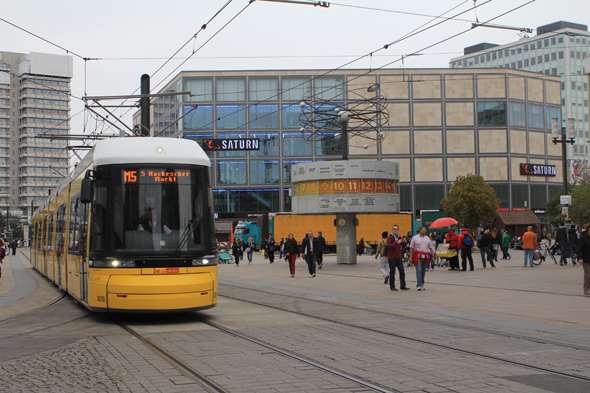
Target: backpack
x: 467, y: 241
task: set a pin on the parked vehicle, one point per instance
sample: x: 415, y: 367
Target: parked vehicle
x: 246, y: 229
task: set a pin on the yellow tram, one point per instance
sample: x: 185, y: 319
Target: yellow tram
x: 131, y: 229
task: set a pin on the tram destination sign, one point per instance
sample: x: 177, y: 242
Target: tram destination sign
x: 537, y: 170
x: 231, y: 144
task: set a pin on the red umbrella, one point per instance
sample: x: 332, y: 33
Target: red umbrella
x: 443, y: 222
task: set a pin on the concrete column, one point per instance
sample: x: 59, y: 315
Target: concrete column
x: 346, y: 238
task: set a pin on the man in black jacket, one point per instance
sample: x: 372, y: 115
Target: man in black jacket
x: 572, y: 242
x: 319, y: 252
x: 561, y: 240
x: 485, y: 245
x: 309, y: 246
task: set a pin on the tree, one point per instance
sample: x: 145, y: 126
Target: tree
x: 579, y: 211
x: 16, y: 227
x: 471, y: 201
x: 553, y: 209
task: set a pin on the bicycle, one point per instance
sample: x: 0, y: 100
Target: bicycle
x: 541, y: 253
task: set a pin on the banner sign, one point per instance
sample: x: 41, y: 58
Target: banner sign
x: 537, y: 170
x: 231, y: 144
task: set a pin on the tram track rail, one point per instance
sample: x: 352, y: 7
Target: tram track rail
x: 291, y: 355
x: 438, y: 321
x: 211, y: 386
x: 410, y: 339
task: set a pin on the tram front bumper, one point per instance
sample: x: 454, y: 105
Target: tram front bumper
x: 158, y: 292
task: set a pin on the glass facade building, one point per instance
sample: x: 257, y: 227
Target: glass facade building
x: 559, y: 49
x: 443, y: 123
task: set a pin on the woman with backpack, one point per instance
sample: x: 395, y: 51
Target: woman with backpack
x: 465, y: 245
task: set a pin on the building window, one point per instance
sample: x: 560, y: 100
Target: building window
x: 540, y: 59
x: 546, y: 42
x: 201, y: 89
x: 266, y: 200
x: 488, y: 57
x: 554, y: 71
x: 526, y: 62
x: 535, y: 116
x: 269, y: 144
x: 199, y: 118
x: 520, y: 64
x: 533, y: 61
x: 405, y: 197
x: 287, y: 170
x: 231, y: 172
x: 553, y: 56
x: 526, y: 47
x: 264, y: 116
x: 553, y: 40
x: 231, y: 116
x: 517, y: 115
x: 546, y: 57
x: 329, y: 88
x: 552, y: 113
x: 560, y: 40
x: 572, y: 54
x: 476, y: 60
x: 506, y: 52
x: 494, y: 56
x: 297, y: 144
x: 518, y: 50
x: 291, y: 116
x: 264, y: 172
x: 533, y: 46
x: 328, y: 144
x: 502, y: 193
x: 500, y: 54
x: 512, y: 52
x: 230, y: 89
x: 491, y: 113
x: 560, y: 54
x: 513, y: 65
x: 520, y: 195
x: 263, y: 88
x: 429, y: 197
x: 287, y: 201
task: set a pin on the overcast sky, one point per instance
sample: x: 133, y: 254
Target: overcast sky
x: 133, y: 37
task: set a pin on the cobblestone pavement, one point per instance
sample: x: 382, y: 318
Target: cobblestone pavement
x: 75, y: 368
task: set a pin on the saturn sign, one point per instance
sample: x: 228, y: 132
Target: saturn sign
x: 537, y: 170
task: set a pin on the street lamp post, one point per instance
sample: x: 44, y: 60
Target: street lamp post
x: 344, y: 117
x: 555, y: 130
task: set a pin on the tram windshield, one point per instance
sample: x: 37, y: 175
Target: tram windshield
x: 154, y: 210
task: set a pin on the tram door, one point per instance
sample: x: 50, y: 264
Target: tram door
x: 60, y: 234
x: 44, y: 246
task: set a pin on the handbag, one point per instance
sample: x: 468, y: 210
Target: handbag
x: 495, y: 246
x: 248, y: 249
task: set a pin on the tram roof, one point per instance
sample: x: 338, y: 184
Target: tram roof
x: 149, y: 150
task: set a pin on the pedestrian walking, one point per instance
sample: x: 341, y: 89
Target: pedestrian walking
x: 360, y: 249
x: 496, y: 244
x: 3, y: 254
x: 307, y: 251
x: 466, y: 245
x: 395, y: 244
x: 486, y: 248
x: 572, y: 242
x: 561, y: 241
x: 250, y: 250
x: 320, y: 250
x: 282, y: 248
x: 433, y: 256
x: 420, y: 251
x: 236, y: 249
x: 529, y: 245
x: 453, y: 242
x: 292, y: 252
x: 242, y: 248
x: 270, y: 248
x: 505, y: 245
x: 14, y: 246
x: 382, y: 255
x: 583, y: 255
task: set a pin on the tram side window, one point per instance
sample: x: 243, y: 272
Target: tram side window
x: 74, y: 203
x: 99, y: 216
x: 44, y: 234
x: 50, y: 232
x: 60, y: 229
x: 82, y: 221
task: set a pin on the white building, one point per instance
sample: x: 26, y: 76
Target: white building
x: 558, y: 49
x: 34, y: 99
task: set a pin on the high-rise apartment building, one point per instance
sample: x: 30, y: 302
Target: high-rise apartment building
x: 558, y: 49
x: 34, y: 100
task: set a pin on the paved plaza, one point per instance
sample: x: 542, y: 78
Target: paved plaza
x: 468, y: 332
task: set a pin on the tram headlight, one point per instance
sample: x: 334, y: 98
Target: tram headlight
x: 102, y: 263
x: 207, y: 260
